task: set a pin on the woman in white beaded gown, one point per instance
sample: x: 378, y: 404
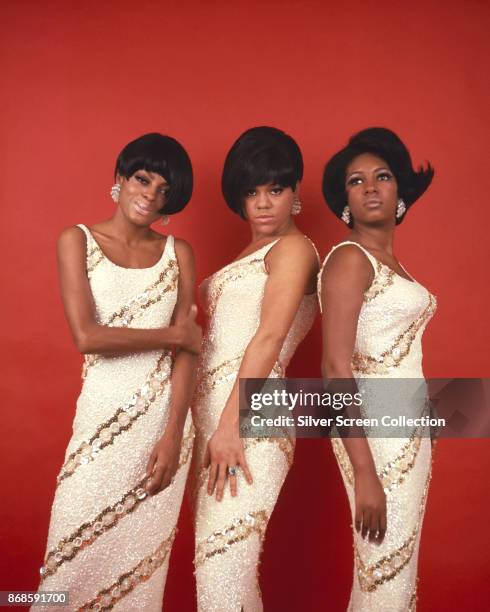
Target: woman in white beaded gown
x: 128, y: 293
x: 374, y: 315
x: 260, y: 306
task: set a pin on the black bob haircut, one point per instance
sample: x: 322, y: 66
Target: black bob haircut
x: 164, y: 156
x: 385, y: 144
x: 261, y: 156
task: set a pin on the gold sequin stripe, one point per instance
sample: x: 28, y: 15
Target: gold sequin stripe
x: 240, y: 529
x: 382, y: 280
x: 391, y: 565
x: 137, y: 305
x: 153, y: 294
x: 110, y: 596
x: 123, y: 419
x: 94, y: 257
x: 87, y: 533
x: 400, y: 349
x: 232, y: 274
x: 187, y: 446
x: 211, y: 378
x: 388, y: 567
x: 286, y: 445
x: 412, y: 605
x: 393, y: 473
x: 214, y: 377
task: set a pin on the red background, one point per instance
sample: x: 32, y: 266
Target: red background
x: 80, y: 79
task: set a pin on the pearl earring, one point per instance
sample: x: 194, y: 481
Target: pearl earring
x: 346, y: 215
x: 115, y: 191
x: 401, y: 208
x: 165, y: 219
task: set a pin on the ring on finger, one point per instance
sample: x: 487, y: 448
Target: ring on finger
x: 232, y: 470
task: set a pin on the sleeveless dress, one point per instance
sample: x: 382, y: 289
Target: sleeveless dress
x: 393, y: 316
x: 109, y: 542
x: 229, y: 534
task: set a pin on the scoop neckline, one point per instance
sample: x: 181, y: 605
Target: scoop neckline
x: 409, y: 280
x: 123, y: 267
x: 252, y: 253
x: 235, y: 261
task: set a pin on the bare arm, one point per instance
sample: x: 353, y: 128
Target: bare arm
x: 91, y: 337
x: 346, y: 276
x: 292, y: 264
x: 164, y: 460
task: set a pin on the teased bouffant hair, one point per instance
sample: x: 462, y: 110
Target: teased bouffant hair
x: 385, y: 144
x: 261, y: 156
x: 164, y: 156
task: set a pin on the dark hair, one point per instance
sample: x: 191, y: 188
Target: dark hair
x: 385, y: 144
x: 261, y: 156
x: 164, y: 156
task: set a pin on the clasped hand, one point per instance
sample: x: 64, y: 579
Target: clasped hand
x: 163, y: 463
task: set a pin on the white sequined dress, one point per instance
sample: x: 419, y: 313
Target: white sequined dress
x: 109, y: 542
x: 392, y: 319
x: 229, y: 533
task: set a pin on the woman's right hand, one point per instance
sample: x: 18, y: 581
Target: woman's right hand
x: 370, y: 504
x: 225, y: 451
x: 190, y: 333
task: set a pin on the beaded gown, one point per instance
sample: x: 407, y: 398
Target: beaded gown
x: 229, y: 533
x: 393, y: 316
x: 109, y: 542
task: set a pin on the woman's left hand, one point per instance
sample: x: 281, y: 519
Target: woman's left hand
x: 163, y: 463
x: 225, y: 451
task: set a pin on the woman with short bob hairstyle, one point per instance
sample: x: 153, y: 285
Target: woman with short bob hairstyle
x: 259, y: 307
x: 128, y: 297
x: 374, y: 315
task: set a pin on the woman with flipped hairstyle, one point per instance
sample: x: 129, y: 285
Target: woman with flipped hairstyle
x: 128, y: 297
x: 374, y: 315
x: 259, y: 307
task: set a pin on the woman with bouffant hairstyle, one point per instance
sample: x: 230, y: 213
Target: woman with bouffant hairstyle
x: 128, y: 292
x: 259, y: 307
x: 374, y: 315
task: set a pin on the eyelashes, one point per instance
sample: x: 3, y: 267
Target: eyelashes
x: 275, y: 190
x: 357, y: 180
x: 144, y: 181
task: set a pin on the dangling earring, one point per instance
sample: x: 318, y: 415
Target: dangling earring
x: 115, y: 191
x: 165, y: 219
x: 296, y: 208
x: 401, y: 208
x: 346, y: 215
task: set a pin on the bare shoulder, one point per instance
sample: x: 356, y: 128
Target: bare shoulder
x: 347, y: 258
x: 185, y: 255
x: 294, y: 246
x: 72, y: 239
x: 183, y: 249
